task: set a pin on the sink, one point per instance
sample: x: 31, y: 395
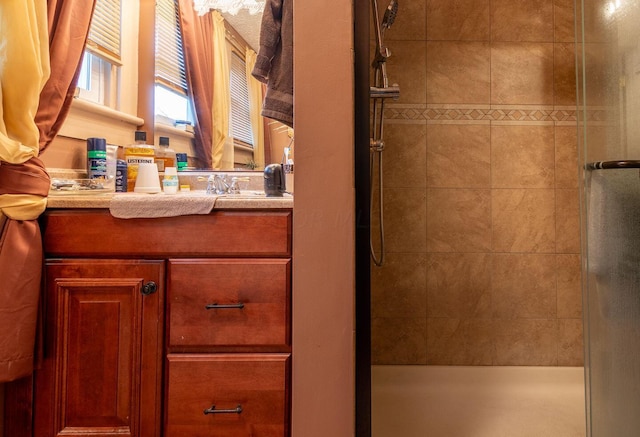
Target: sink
x: 246, y: 193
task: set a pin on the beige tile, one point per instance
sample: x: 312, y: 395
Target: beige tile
x: 458, y: 156
x: 522, y: 156
x: 458, y: 72
x: 570, y: 344
x: 458, y: 20
x: 522, y: 20
x: 567, y: 221
x: 458, y: 220
x: 524, y: 286
x: 601, y: 74
x: 569, y: 286
x: 526, y: 342
x: 566, y: 145
x: 399, y: 340
x: 522, y: 73
x: 399, y: 287
x: 404, y: 157
x: 405, y: 212
x: 563, y: 19
x: 407, y: 66
x: 409, y: 24
x: 459, y: 285
x: 459, y: 342
x: 564, y: 74
x: 523, y: 220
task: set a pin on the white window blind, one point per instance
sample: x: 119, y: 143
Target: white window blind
x: 170, y: 68
x: 240, y: 111
x: 104, y: 34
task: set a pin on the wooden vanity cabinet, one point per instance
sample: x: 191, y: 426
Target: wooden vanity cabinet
x: 175, y: 326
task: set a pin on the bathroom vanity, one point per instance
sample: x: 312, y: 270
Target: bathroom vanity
x: 177, y: 326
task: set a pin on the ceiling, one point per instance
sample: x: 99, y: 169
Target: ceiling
x: 246, y: 25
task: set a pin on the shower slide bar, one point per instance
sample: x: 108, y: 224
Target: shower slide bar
x: 609, y: 165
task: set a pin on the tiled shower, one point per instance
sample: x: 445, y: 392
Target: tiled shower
x: 481, y: 206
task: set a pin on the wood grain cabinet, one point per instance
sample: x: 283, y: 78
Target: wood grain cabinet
x: 163, y: 327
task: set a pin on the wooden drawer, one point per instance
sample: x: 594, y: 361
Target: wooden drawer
x: 204, y: 299
x: 256, y: 384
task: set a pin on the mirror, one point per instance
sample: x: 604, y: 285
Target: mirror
x: 243, y: 29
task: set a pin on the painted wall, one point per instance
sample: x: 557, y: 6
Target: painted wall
x: 481, y: 202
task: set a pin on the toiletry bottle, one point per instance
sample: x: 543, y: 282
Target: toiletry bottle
x: 97, y: 158
x: 181, y: 161
x: 135, y: 154
x: 165, y: 156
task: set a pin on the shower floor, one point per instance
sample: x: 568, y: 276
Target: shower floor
x: 461, y: 401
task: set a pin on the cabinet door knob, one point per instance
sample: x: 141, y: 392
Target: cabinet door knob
x: 149, y: 288
x: 212, y: 410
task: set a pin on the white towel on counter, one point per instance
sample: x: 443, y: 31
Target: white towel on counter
x: 137, y: 205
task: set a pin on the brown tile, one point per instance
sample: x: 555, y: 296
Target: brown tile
x: 405, y: 212
x: 407, y: 66
x: 459, y: 342
x: 458, y: 72
x: 523, y: 220
x: 564, y: 20
x: 569, y: 286
x: 601, y: 74
x: 567, y: 221
x: 459, y: 285
x: 525, y: 342
x: 597, y: 25
x: 570, y: 344
x: 458, y: 20
x: 458, y: 220
x: 522, y: 20
x: 522, y: 156
x: 410, y: 22
x: 399, y: 340
x: 524, y: 286
x: 405, y: 155
x: 566, y: 145
x: 458, y: 156
x: 522, y: 73
x: 399, y: 287
x: 564, y: 74
x: 602, y: 143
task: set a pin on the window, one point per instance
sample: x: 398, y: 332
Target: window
x: 99, y: 80
x: 171, y: 98
x: 240, y: 119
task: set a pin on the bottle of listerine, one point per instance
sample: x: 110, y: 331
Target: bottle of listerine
x: 135, y: 154
x: 165, y: 155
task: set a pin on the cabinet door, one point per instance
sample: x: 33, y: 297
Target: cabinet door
x: 102, y: 366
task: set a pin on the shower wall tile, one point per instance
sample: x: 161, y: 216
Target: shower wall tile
x: 564, y: 74
x: 569, y: 286
x: 467, y: 342
x: 399, y: 287
x: 405, y: 155
x: 399, y: 340
x: 405, y: 213
x: 570, y: 345
x: 566, y: 148
x: 525, y: 342
x: 407, y: 66
x: 522, y: 20
x: 522, y: 73
x: 522, y: 156
x: 458, y: 72
x: 563, y: 20
x: 458, y: 156
x: 459, y: 285
x: 523, y: 220
x: 458, y: 20
x: 524, y: 286
x: 567, y: 221
x: 410, y: 22
x: 458, y: 220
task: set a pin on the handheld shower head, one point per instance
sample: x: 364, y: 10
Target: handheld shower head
x: 390, y: 14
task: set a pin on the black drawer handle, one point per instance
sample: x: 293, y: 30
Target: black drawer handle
x: 212, y: 410
x: 217, y: 306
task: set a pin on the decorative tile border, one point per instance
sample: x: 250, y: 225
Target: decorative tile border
x: 481, y: 114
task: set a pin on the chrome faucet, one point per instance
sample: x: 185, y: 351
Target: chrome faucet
x: 217, y: 184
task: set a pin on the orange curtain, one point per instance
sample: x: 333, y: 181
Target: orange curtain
x: 26, y: 128
x: 197, y: 38
x: 69, y: 22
